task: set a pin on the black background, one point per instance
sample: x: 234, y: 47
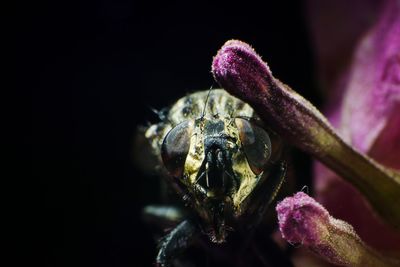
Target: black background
x: 91, y: 70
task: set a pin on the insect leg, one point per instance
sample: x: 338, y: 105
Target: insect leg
x: 161, y: 215
x: 269, y: 190
x: 175, y: 242
x: 262, y: 200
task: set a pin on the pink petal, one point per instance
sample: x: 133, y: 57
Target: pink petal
x: 386, y: 148
x: 369, y: 117
x: 373, y: 90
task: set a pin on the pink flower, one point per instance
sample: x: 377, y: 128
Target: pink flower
x: 367, y: 115
x: 364, y: 124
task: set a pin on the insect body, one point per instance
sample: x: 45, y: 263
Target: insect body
x: 222, y: 161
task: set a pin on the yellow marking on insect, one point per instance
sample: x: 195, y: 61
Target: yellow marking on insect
x: 248, y: 181
x: 196, y: 155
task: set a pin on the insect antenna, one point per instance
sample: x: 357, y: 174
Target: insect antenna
x: 200, y: 176
x: 305, y: 189
x: 205, y: 103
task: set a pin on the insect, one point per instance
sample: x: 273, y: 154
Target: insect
x: 223, y: 163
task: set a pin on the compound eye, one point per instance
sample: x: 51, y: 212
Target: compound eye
x: 256, y: 144
x: 175, y: 148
